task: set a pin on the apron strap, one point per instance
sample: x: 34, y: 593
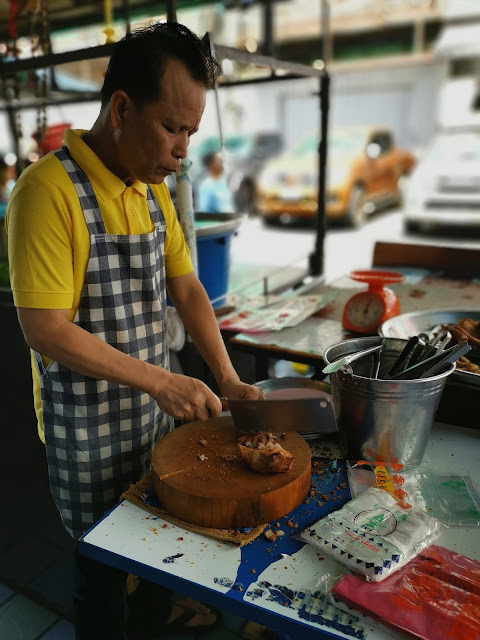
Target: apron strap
x: 84, y: 189
x: 154, y: 208
x: 88, y: 200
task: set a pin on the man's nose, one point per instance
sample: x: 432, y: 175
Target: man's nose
x: 181, y: 146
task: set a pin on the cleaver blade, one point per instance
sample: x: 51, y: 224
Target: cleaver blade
x: 305, y: 415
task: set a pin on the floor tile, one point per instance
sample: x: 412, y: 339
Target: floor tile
x: 5, y: 593
x: 22, y: 619
x: 55, y: 584
x: 62, y: 630
x: 26, y: 559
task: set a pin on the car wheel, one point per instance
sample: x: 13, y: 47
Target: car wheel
x: 411, y: 227
x: 355, y: 215
x: 245, y: 197
x: 270, y: 222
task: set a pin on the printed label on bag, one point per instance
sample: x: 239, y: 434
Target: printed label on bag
x: 378, y: 521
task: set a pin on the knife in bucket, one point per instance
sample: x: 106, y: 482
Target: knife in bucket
x: 305, y: 415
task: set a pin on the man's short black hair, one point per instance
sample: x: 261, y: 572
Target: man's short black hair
x: 138, y: 61
x: 208, y: 158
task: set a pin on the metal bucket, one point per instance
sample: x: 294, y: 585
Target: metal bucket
x: 383, y: 420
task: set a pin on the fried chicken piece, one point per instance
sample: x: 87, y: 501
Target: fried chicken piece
x: 465, y: 329
x: 464, y: 364
x: 468, y: 330
x: 263, y: 454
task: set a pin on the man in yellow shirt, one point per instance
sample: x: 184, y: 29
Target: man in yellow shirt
x: 94, y: 247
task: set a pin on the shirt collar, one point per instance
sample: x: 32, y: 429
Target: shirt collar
x: 106, y: 184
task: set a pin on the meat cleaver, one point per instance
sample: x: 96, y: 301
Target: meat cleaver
x: 305, y: 415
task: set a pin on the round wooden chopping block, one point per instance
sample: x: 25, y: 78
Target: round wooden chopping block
x: 221, y: 491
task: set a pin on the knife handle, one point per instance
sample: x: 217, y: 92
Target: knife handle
x: 224, y: 402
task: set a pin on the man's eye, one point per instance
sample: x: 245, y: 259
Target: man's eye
x: 170, y: 129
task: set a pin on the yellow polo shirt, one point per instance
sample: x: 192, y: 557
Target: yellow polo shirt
x: 48, y: 240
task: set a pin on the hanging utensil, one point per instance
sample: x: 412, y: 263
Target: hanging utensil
x: 433, y: 365
x: 335, y: 366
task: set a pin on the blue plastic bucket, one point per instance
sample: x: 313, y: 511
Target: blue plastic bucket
x: 213, y: 255
x: 214, y: 234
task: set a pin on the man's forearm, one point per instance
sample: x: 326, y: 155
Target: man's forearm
x: 79, y: 350
x: 199, y: 319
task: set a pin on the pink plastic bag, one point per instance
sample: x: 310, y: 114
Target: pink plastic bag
x: 436, y: 596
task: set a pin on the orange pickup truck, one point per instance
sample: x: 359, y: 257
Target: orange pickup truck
x: 364, y: 173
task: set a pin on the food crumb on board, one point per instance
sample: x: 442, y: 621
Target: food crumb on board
x: 164, y: 526
x: 180, y: 538
x: 270, y: 535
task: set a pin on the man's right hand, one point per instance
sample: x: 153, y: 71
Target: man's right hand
x: 186, y: 398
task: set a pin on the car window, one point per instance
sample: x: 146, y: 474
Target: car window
x: 269, y: 144
x: 384, y: 141
x: 340, y: 141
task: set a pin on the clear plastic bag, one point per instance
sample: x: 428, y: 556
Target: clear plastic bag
x: 372, y: 534
x: 453, y: 498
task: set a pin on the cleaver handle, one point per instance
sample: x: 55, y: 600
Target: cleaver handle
x: 224, y: 402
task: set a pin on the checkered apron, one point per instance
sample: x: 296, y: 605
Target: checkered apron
x: 100, y: 435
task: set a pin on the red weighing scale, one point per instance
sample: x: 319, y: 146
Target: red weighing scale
x: 365, y: 311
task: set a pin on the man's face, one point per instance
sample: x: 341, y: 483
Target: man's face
x: 153, y: 139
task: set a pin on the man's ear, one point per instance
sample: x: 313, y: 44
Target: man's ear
x: 120, y: 104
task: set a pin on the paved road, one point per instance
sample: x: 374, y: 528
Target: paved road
x: 258, y: 248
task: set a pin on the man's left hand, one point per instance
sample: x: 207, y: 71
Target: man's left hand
x: 235, y: 388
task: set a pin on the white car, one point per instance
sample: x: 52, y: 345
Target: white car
x: 444, y: 188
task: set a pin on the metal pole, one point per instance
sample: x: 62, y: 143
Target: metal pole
x: 317, y: 258
x: 171, y: 10
x: 211, y: 46
x: 126, y: 16
x: 268, y: 28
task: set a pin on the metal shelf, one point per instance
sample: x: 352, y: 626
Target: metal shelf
x: 292, y: 69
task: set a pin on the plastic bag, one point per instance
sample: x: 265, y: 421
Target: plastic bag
x: 278, y: 316
x: 372, y: 534
x: 435, y: 597
x: 453, y: 498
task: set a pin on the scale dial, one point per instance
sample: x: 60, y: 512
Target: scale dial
x: 364, y: 310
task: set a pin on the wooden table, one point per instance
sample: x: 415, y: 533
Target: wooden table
x: 261, y: 580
